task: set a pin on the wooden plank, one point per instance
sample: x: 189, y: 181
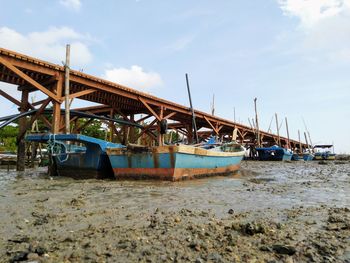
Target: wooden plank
x: 29, y: 80
x: 150, y: 109
x: 212, y: 126
x: 81, y: 93
x: 10, y: 98
x: 170, y: 115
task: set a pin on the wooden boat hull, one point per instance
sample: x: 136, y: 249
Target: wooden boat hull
x: 172, y: 163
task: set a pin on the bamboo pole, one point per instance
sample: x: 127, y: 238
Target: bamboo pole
x: 278, y: 131
x: 300, y: 148
x: 193, y: 115
x: 307, y: 143
x: 66, y: 89
x: 257, y: 122
x: 287, y: 133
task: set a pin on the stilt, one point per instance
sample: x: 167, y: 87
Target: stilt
x: 21, y: 145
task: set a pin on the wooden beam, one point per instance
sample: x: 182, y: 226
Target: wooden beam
x: 144, y: 118
x: 170, y: 115
x: 10, y: 98
x: 80, y: 127
x: 150, y: 109
x: 212, y: 126
x: 29, y: 80
x: 56, y: 113
x: 81, y: 93
x: 39, y: 102
x: 34, y: 117
x: 148, y: 127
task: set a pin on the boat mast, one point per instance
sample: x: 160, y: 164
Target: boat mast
x: 193, y: 115
x: 278, y: 131
x: 257, y: 122
x: 287, y: 134
x: 213, y: 106
x: 307, y: 143
x: 300, y: 149
x: 66, y: 89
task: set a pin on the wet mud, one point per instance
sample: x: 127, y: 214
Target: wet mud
x: 268, y: 212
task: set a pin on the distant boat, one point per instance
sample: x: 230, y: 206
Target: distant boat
x: 86, y: 160
x: 308, y: 156
x: 274, y: 153
x: 323, y: 152
x: 175, y: 162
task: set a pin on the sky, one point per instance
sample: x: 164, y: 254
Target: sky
x: 292, y: 55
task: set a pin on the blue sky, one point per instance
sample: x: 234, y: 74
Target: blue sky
x: 293, y: 55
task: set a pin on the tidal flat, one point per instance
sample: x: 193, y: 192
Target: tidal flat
x: 267, y: 212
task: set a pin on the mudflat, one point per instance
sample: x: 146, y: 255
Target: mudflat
x: 268, y: 212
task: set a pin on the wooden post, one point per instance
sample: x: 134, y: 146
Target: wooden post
x: 111, y: 124
x: 307, y: 143
x: 66, y: 90
x: 278, y: 130
x: 257, y: 122
x: 287, y: 133
x: 21, y: 147
x: 300, y: 148
x: 56, y: 111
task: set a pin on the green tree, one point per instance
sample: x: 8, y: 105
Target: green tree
x: 8, y: 137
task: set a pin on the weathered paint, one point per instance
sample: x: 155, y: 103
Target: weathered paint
x: 90, y: 161
x: 172, y: 162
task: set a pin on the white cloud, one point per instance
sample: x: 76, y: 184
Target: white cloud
x: 48, y: 45
x: 135, y: 77
x: 310, y: 12
x: 71, y: 4
x: 324, y: 31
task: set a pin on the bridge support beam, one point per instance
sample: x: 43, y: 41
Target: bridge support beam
x: 21, y: 148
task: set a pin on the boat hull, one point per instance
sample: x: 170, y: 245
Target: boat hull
x: 322, y: 156
x: 78, y: 156
x: 172, y: 163
x: 83, y: 166
x: 308, y: 157
x: 274, y: 154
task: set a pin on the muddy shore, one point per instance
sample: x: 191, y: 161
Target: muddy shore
x: 268, y: 212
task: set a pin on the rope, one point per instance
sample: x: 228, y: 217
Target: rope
x: 57, y: 148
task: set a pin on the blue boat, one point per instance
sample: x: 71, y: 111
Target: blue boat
x: 174, y: 162
x: 308, y: 156
x: 295, y: 157
x: 322, y: 152
x: 77, y: 155
x: 274, y: 153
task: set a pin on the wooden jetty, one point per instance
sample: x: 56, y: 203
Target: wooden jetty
x: 31, y: 74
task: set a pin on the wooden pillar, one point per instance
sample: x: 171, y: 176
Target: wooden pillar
x: 190, y: 134
x: 21, y: 146
x: 132, y: 129
x: 111, y: 124
x: 56, y: 113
